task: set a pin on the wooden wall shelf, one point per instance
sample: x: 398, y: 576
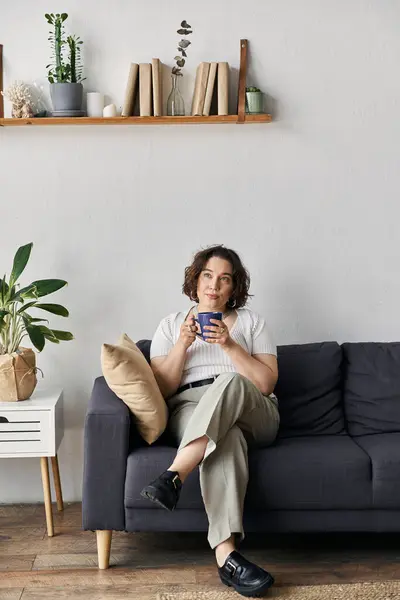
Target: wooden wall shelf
x: 211, y: 120
x: 241, y: 117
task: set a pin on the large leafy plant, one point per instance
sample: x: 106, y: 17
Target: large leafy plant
x: 63, y: 69
x: 15, y: 321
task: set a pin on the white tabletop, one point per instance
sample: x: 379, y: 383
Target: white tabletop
x: 43, y: 398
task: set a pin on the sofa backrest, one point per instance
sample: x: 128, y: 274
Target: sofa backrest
x: 144, y: 347
x: 309, y: 390
x: 327, y: 389
x: 371, y: 390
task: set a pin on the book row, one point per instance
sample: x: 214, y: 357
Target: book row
x: 210, y: 95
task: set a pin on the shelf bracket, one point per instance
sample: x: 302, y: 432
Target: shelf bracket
x: 242, y: 81
x: 1, y: 83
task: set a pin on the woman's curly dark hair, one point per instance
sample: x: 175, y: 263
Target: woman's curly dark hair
x: 241, y: 277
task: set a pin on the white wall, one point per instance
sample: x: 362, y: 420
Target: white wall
x: 311, y: 202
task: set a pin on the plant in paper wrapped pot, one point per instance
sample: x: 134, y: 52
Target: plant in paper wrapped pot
x: 17, y: 363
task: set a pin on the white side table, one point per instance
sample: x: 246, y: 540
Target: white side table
x: 34, y: 428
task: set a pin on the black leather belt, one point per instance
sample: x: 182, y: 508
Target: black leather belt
x: 196, y: 384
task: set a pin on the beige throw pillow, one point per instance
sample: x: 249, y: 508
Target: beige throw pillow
x: 130, y: 377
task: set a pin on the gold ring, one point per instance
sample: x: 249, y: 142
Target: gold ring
x: 222, y: 329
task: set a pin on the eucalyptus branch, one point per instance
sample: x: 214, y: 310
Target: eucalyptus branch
x: 185, y: 29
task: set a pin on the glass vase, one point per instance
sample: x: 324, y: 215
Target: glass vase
x: 175, y: 104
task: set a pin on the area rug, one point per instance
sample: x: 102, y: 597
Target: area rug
x: 379, y: 590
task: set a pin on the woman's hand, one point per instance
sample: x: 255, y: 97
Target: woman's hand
x: 218, y: 334
x: 188, y: 332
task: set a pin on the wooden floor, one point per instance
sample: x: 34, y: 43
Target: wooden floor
x: 33, y: 566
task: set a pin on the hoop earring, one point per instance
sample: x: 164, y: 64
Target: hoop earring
x: 234, y: 303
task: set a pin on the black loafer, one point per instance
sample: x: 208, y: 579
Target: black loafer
x: 165, y: 490
x: 244, y: 576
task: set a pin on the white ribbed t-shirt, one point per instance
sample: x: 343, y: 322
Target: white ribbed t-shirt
x: 204, y: 359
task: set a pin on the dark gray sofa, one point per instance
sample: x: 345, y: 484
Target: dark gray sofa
x: 335, y: 465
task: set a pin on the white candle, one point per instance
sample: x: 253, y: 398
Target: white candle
x: 95, y: 104
x: 110, y: 111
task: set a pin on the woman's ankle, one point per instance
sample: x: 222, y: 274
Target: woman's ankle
x: 182, y: 476
x: 189, y: 457
x: 223, y: 550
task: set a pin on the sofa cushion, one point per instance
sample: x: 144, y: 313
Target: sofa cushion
x: 309, y: 390
x: 310, y: 473
x: 384, y: 452
x: 372, y: 387
x: 132, y: 380
x: 316, y: 472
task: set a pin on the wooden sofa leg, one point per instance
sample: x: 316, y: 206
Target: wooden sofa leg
x: 103, y: 547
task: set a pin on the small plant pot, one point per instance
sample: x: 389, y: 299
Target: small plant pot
x: 254, y: 102
x: 17, y: 375
x: 66, y: 96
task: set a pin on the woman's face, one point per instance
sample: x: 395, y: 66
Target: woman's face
x: 215, y: 284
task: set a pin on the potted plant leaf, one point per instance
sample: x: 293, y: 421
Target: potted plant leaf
x: 65, y: 72
x: 254, y: 100
x: 18, y: 364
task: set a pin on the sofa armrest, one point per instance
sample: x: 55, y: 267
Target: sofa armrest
x: 106, y: 449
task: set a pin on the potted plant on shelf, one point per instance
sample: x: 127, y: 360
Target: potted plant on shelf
x: 18, y: 364
x: 65, y: 73
x: 254, y: 100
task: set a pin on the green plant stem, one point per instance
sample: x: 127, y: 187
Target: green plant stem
x: 10, y: 349
x: 57, y: 34
x: 9, y: 330
x: 72, y: 58
x: 12, y: 334
x: 5, y: 332
x: 15, y: 330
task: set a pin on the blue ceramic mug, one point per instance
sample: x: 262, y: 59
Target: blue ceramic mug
x: 204, y: 319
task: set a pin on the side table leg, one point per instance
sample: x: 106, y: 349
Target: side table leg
x: 57, y: 482
x: 47, y: 495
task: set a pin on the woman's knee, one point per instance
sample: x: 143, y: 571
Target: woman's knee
x: 234, y: 438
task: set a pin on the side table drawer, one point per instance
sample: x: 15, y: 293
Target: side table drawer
x: 24, y: 431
